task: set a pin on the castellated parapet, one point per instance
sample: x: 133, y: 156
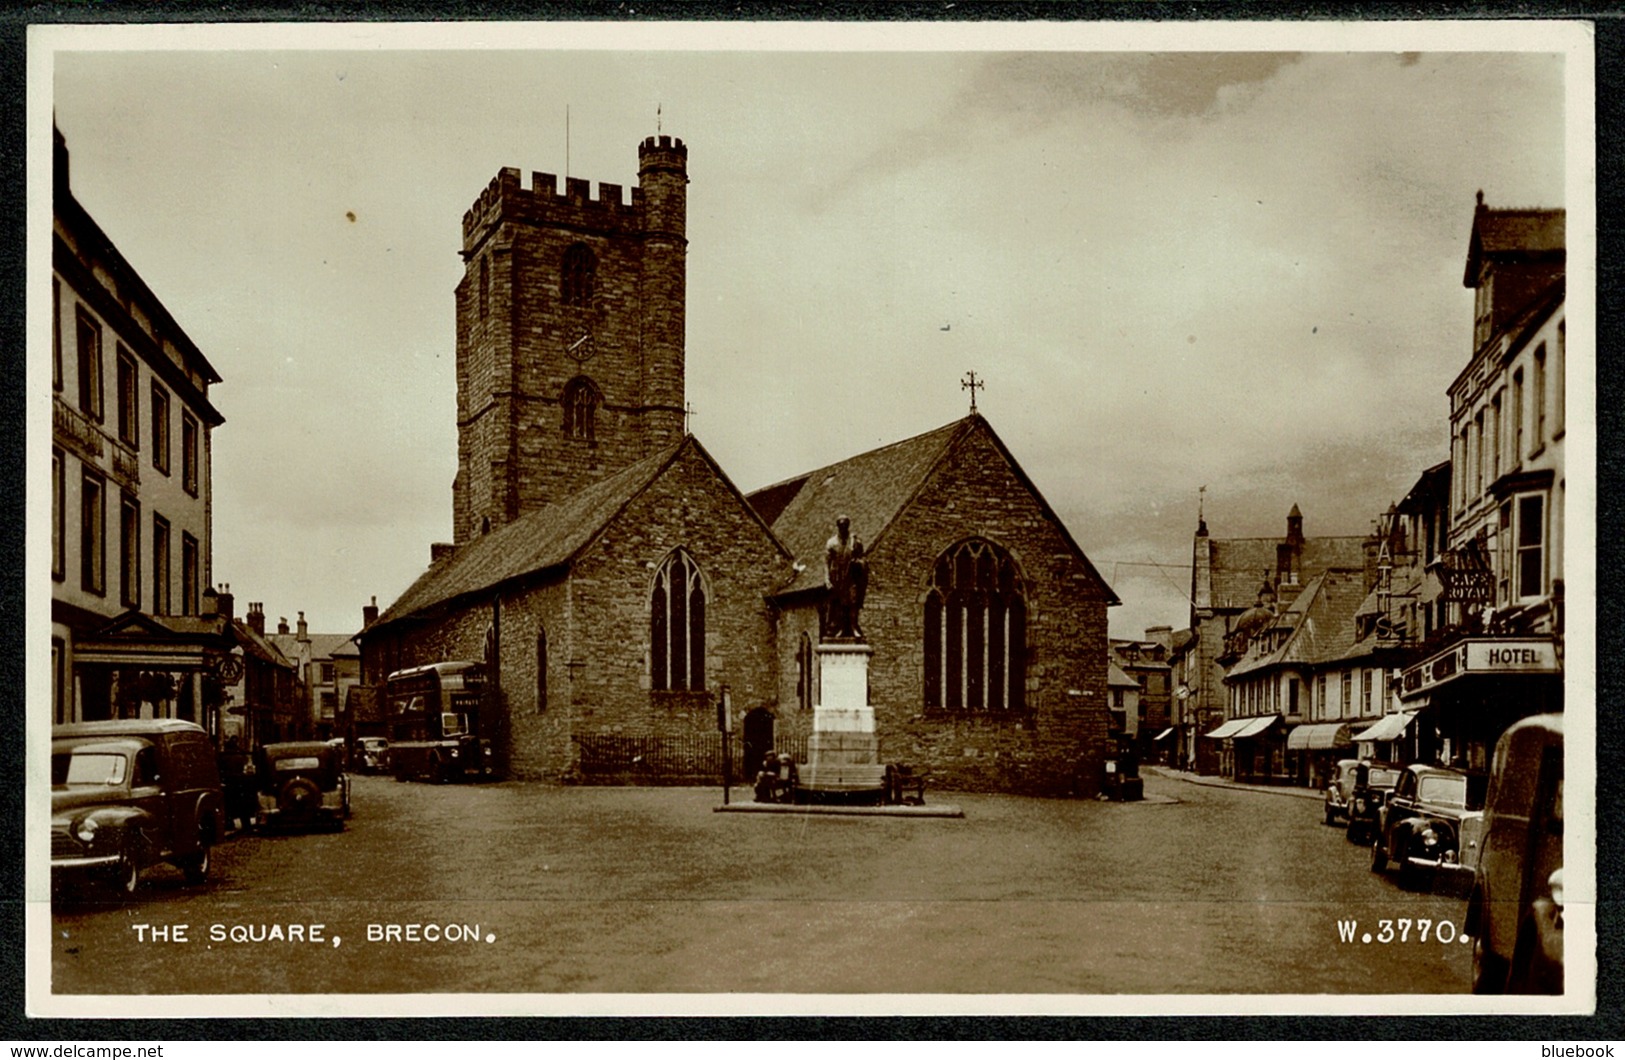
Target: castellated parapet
x: 541, y: 203
x: 570, y: 334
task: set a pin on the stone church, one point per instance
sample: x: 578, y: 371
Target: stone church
x: 614, y: 580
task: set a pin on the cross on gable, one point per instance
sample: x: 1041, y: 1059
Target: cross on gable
x: 971, y: 383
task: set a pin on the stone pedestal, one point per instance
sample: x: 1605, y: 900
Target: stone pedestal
x: 843, y: 752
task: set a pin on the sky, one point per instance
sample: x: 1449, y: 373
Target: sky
x: 1208, y: 264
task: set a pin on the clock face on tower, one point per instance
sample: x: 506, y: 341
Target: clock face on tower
x: 580, y: 347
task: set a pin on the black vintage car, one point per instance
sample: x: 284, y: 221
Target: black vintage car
x: 1373, y: 781
x: 126, y: 795
x: 301, y: 785
x: 1418, y: 828
x: 1515, y: 912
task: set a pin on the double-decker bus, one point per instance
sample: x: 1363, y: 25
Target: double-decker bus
x: 434, y: 722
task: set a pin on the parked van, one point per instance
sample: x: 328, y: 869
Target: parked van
x: 126, y: 795
x: 1515, y: 913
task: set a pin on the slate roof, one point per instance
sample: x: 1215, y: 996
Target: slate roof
x: 1531, y: 232
x: 1239, y: 564
x: 872, y: 489
x: 541, y: 540
x: 1116, y: 678
x: 1323, y: 623
x: 322, y: 645
x: 259, y: 645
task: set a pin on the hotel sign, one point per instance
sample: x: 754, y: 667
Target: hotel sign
x: 1488, y: 656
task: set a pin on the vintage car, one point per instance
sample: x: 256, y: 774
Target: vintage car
x: 127, y: 795
x: 1515, y: 911
x: 373, y: 754
x: 1372, y: 783
x: 301, y: 785
x: 1339, y: 790
x: 1418, y: 825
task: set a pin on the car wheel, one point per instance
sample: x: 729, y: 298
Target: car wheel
x: 298, y: 800
x: 1331, y: 817
x: 128, y: 879
x: 1379, y: 856
x: 196, y: 865
x: 1354, y: 834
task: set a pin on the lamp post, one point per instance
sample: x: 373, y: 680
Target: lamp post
x: 724, y: 724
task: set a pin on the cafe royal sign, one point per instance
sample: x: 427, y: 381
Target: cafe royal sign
x: 1490, y: 656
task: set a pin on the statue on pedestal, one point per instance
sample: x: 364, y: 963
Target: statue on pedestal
x: 846, y: 575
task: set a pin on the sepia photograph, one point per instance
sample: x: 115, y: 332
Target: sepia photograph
x: 712, y: 518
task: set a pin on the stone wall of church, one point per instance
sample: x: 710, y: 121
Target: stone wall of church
x: 976, y: 493
x: 689, y: 507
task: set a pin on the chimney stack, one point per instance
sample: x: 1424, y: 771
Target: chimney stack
x: 211, y: 603
x: 282, y: 626
x: 256, y: 618
x: 369, y: 613
x: 304, y: 632
x: 225, y: 603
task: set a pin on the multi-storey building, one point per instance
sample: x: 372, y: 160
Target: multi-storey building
x: 327, y: 664
x: 1495, y: 654
x: 1225, y: 578
x: 134, y: 628
x: 1145, y: 662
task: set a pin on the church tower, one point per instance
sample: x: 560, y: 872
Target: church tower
x: 570, y: 322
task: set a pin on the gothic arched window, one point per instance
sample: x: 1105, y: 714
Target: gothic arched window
x: 976, y: 630
x: 576, y: 275
x: 677, y: 626
x: 580, y: 400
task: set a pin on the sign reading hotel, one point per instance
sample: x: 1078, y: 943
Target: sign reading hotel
x: 1498, y: 656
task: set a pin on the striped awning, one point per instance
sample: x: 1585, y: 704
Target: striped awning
x: 1256, y: 726
x: 1323, y: 736
x: 1390, y: 728
x: 1228, y: 729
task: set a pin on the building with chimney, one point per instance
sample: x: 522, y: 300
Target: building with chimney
x: 1494, y: 652
x: 135, y: 629
x: 1226, y: 579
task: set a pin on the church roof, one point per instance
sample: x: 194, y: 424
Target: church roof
x: 872, y: 489
x: 535, y: 542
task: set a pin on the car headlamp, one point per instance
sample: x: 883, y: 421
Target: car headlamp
x: 1359, y: 804
x: 87, y: 830
x: 1430, y: 838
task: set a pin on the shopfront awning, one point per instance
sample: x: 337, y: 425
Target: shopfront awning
x: 1390, y: 728
x: 1323, y: 736
x: 1256, y: 727
x: 1228, y: 729
x: 1163, y: 735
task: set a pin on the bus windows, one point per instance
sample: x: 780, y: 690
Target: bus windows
x: 452, y: 725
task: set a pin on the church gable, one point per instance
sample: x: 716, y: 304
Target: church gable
x: 672, y: 592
